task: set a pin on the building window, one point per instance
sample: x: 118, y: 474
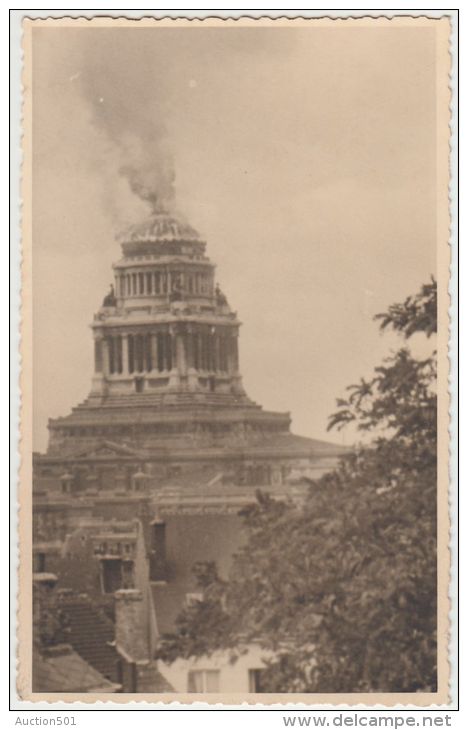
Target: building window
x: 203, y: 680
x: 139, y: 385
x: 111, y: 574
x: 158, y: 570
x: 39, y: 563
x: 256, y: 680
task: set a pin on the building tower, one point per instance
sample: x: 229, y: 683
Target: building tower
x: 166, y: 356
x: 167, y: 436
x: 165, y: 327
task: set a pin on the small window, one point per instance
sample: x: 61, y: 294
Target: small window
x: 111, y: 575
x: 39, y: 563
x: 158, y: 567
x: 139, y: 383
x: 203, y: 680
x: 256, y: 683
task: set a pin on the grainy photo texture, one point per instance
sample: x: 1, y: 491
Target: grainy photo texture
x: 234, y: 361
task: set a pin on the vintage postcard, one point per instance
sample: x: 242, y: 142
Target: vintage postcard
x: 234, y: 481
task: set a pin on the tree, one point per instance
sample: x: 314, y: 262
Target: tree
x: 343, y: 590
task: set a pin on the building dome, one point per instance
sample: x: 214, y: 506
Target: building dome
x: 159, y: 227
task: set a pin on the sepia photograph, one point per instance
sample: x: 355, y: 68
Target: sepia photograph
x: 234, y: 481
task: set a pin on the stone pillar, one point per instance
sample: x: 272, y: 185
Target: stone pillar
x: 174, y: 379
x: 236, y: 354
x: 236, y: 376
x: 181, y: 362
x: 105, y: 357
x: 124, y: 354
x: 217, y: 354
x: 154, y: 351
x: 131, y: 625
x: 98, y: 355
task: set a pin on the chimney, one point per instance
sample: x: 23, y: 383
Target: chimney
x: 131, y: 631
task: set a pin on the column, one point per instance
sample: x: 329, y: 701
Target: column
x: 230, y: 355
x: 222, y: 354
x: 167, y: 352
x: 98, y: 355
x: 217, y: 358
x: 236, y: 353
x: 131, y: 353
x: 154, y: 350
x: 173, y: 348
x: 105, y: 356
x: 160, y: 338
x: 211, y: 351
x: 181, y: 363
x: 125, y: 354
x: 191, y: 344
x: 189, y: 354
x: 147, y: 353
x: 139, y: 353
x: 118, y: 354
x: 111, y: 350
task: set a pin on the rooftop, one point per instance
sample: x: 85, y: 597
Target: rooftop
x: 159, y: 227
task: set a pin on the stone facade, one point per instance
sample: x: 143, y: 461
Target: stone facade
x: 167, y: 438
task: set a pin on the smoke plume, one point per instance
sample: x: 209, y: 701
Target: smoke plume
x: 129, y: 109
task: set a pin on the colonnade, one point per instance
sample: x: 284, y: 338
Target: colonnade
x: 161, y: 282
x: 201, y: 349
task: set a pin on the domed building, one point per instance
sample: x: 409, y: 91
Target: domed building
x: 166, y: 353
x: 167, y: 434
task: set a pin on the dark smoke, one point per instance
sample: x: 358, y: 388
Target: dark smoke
x: 128, y: 105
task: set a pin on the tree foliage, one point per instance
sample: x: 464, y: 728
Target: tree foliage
x: 342, y: 591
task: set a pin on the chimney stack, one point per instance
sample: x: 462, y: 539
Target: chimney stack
x: 131, y: 634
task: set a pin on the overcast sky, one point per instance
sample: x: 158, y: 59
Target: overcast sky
x: 305, y: 157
